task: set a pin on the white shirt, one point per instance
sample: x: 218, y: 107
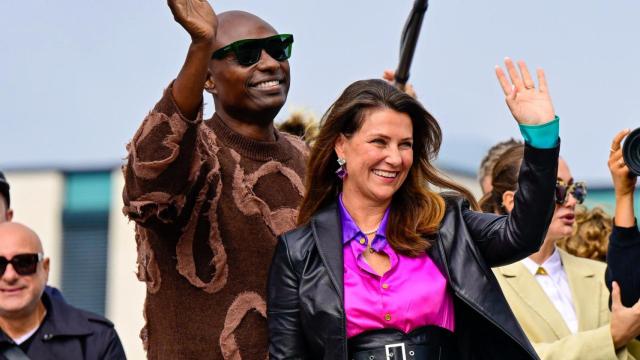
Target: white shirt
x: 26, y: 336
x: 556, y: 285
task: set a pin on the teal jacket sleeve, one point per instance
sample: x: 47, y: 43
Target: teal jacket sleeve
x: 544, y: 136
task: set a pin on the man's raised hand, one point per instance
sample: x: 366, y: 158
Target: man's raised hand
x: 197, y: 17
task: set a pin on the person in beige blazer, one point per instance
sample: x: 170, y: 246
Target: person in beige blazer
x: 560, y: 300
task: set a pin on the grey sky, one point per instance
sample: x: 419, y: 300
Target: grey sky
x: 78, y: 76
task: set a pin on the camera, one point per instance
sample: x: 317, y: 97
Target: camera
x: 631, y: 152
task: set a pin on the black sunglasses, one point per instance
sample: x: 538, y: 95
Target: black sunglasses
x: 23, y: 264
x: 578, y: 190
x: 248, y: 51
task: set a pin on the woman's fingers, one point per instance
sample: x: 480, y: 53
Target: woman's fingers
x: 516, y: 80
x: 615, y: 144
x: 526, y: 77
x: 542, y: 81
x: 616, y: 301
x: 506, y: 86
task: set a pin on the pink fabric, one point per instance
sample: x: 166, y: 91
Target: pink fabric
x: 412, y: 294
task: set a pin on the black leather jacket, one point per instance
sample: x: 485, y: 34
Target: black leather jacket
x: 306, y: 314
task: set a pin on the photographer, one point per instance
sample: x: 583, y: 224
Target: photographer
x: 624, y: 243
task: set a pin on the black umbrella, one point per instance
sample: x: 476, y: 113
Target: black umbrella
x: 408, y: 41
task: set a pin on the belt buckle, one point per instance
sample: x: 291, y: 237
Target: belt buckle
x: 389, y: 355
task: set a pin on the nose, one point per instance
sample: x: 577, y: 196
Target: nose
x: 571, y: 201
x: 10, y: 275
x: 267, y: 63
x: 393, y: 156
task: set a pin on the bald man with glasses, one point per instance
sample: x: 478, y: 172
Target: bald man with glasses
x: 34, y: 325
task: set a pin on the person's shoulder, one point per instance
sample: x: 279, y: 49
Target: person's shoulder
x: 454, y: 200
x: 297, y: 143
x: 589, y: 265
x: 298, y: 234
x: 97, y: 320
x: 79, y: 316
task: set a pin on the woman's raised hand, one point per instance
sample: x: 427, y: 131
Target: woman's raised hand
x: 197, y: 17
x: 529, y: 105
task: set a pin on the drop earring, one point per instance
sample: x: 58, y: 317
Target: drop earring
x: 342, y: 170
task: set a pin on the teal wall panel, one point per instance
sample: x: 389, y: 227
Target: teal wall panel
x: 88, y: 191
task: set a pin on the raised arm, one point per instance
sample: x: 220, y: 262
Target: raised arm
x: 200, y: 21
x: 166, y: 155
x: 624, y: 241
x: 505, y: 239
x: 624, y: 183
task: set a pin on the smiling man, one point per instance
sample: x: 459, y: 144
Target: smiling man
x: 210, y: 196
x: 34, y: 325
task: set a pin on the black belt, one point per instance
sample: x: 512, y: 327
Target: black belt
x: 425, y: 343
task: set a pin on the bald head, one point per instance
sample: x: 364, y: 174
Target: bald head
x: 238, y: 25
x: 16, y: 238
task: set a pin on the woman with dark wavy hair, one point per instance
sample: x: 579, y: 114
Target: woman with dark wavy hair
x: 382, y: 266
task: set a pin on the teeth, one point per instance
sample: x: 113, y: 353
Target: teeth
x: 386, y: 174
x: 267, y: 84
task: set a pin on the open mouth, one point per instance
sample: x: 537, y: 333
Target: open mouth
x: 386, y: 174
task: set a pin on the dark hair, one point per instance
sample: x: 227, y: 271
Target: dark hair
x: 4, y: 190
x: 504, y: 177
x: 416, y: 210
x: 494, y: 153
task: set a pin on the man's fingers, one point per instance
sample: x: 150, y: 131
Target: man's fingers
x: 526, y: 77
x: 513, y: 74
x: 389, y: 75
x: 615, y: 144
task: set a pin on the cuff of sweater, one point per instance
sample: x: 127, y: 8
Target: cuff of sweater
x: 167, y: 105
x: 543, y: 136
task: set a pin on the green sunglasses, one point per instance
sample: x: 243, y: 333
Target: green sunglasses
x: 248, y: 51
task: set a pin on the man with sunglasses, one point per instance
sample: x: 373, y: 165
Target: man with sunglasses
x: 210, y: 196
x: 35, y: 325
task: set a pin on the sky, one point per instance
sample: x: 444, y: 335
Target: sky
x: 78, y: 77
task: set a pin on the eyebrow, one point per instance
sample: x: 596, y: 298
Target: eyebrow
x: 388, y: 137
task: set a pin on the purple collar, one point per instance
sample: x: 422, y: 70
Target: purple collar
x: 351, y: 231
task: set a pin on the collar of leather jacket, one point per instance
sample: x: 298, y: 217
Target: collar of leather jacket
x: 454, y: 252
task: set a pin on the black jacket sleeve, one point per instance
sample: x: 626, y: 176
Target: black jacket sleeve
x: 505, y: 239
x: 286, y: 339
x: 623, y: 259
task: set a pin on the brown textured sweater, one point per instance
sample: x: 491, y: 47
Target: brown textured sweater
x: 208, y: 204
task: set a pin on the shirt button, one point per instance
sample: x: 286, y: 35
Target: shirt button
x: 362, y: 241
x: 387, y: 317
x: 385, y: 286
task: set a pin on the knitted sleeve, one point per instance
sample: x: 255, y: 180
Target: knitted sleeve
x: 163, y: 164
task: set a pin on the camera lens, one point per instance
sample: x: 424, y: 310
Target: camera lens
x: 631, y: 151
